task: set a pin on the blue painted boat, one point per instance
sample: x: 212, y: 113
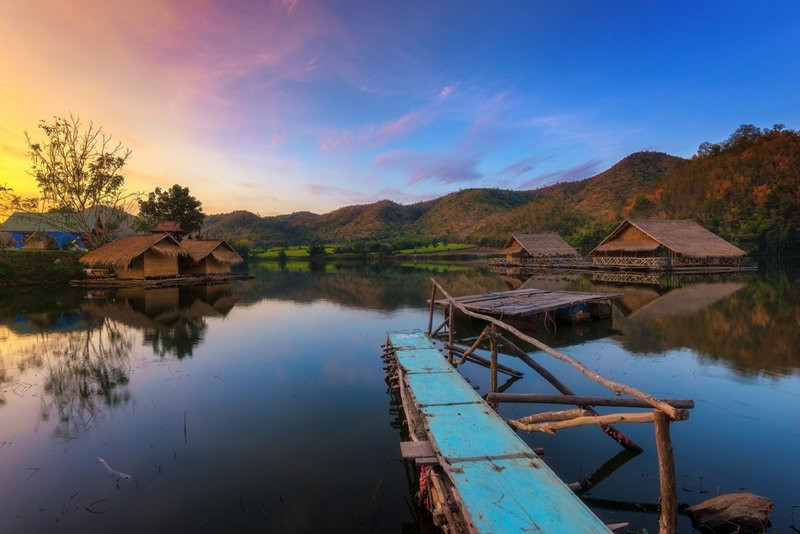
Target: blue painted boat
x: 500, y: 484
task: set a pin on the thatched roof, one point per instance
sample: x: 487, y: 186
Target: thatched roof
x: 542, y: 244
x: 199, y: 249
x: 123, y: 250
x: 683, y: 237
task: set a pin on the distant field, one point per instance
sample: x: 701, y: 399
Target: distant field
x: 292, y: 252
x: 438, y: 247
x: 301, y: 251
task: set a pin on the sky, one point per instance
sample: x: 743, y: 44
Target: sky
x: 291, y: 105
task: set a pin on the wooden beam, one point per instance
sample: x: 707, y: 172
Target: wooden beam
x: 608, y: 430
x: 668, y: 518
x: 581, y: 400
x: 553, y: 416
x: 552, y: 427
x: 616, y: 387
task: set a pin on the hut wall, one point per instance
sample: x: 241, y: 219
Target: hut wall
x: 515, y: 250
x: 156, y: 265
x: 213, y: 266
x: 134, y: 270
x: 208, y: 265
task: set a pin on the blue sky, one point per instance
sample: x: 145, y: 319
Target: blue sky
x: 283, y: 106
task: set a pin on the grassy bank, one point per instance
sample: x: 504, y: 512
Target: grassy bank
x: 38, y: 267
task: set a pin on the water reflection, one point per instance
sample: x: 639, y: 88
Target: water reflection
x: 750, y: 322
x: 172, y: 319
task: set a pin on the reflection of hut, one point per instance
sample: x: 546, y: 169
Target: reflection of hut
x: 687, y: 300
x: 208, y: 256
x: 40, y: 241
x: 663, y: 245
x: 138, y: 256
x: 523, y: 248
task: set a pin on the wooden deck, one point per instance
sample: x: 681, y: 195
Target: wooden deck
x: 497, y: 482
x: 528, y: 302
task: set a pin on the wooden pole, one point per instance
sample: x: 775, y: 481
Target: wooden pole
x: 480, y: 360
x: 579, y: 400
x: 608, y: 430
x: 450, y: 333
x: 616, y: 387
x: 493, y: 360
x: 668, y: 519
x: 552, y: 427
x: 554, y: 416
x: 469, y: 350
x: 430, y: 313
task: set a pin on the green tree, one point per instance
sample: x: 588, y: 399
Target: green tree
x: 173, y: 204
x: 78, y: 171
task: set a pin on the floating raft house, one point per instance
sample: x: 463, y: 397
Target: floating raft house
x: 500, y: 484
x: 528, y: 304
x: 666, y: 245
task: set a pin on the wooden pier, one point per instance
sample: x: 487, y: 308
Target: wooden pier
x: 493, y: 481
x: 475, y: 473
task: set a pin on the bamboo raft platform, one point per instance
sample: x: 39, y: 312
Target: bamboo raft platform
x: 188, y: 280
x: 475, y: 473
x: 528, y: 303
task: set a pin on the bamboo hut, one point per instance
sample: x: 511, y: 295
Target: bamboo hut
x: 173, y: 228
x: 534, y: 249
x: 208, y: 256
x: 40, y: 241
x: 138, y: 256
x: 665, y: 245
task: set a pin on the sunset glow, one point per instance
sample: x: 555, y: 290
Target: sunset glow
x: 277, y: 107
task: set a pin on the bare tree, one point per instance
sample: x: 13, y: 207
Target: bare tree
x: 77, y: 170
x: 11, y: 202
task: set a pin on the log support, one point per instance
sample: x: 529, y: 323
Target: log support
x: 668, y: 517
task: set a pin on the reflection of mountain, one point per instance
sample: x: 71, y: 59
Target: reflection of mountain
x: 359, y: 285
x: 172, y: 319
x: 754, y: 326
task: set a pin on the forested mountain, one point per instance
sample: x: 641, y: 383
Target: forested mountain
x: 746, y: 188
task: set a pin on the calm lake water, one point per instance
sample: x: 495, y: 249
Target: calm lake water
x: 262, y: 405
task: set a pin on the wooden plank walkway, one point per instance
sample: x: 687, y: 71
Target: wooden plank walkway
x: 526, y: 302
x: 501, y: 485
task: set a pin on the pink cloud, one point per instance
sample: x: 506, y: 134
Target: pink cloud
x: 350, y: 196
x: 571, y: 174
x: 448, y: 90
x: 520, y: 167
x: 376, y: 135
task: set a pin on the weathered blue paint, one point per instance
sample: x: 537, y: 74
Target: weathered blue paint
x: 503, y: 485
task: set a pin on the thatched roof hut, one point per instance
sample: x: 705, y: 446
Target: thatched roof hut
x: 524, y: 246
x: 208, y: 256
x: 680, y: 237
x: 139, y: 256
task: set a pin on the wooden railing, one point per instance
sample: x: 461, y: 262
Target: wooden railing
x: 662, y: 413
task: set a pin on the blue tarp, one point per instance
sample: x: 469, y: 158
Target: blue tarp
x: 19, y: 239
x: 63, y: 238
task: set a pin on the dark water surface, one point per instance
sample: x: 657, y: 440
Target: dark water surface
x: 261, y: 406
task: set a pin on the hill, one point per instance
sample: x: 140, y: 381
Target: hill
x: 746, y: 188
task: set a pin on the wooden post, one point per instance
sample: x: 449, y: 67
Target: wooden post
x: 668, y: 520
x: 450, y: 334
x: 430, y: 314
x: 493, y: 361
